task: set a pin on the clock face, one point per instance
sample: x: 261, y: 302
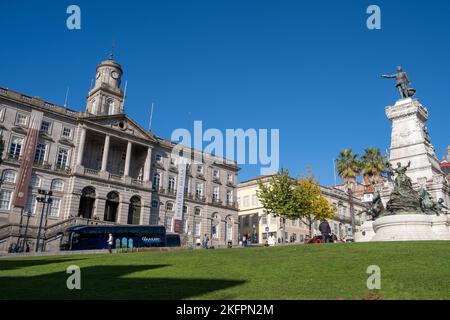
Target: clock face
x: 115, y: 75
x: 98, y: 75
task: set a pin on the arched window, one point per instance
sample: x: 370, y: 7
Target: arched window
x: 87, y: 201
x: 169, y: 206
x: 111, y: 206
x: 134, y: 210
x: 58, y: 185
x: 9, y: 176
x: 35, y: 181
x: 215, y: 225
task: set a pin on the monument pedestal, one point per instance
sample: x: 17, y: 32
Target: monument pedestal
x: 410, y: 141
x: 405, y: 227
x: 366, y: 232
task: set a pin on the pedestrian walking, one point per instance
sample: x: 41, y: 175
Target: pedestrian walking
x: 110, y: 242
x: 325, y: 230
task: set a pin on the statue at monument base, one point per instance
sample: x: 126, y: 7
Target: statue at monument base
x: 409, y: 215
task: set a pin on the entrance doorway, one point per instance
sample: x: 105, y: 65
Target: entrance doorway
x: 111, y: 206
x: 87, y: 202
x: 134, y: 210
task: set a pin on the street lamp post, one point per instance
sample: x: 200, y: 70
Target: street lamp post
x: 45, y: 198
x: 25, y: 237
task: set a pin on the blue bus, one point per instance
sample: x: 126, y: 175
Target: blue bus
x: 124, y: 237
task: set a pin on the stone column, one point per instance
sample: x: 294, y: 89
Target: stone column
x: 81, y: 146
x: 148, y: 164
x: 105, y: 153
x: 128, y: 160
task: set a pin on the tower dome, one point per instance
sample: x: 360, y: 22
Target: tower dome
x: 106, y: 97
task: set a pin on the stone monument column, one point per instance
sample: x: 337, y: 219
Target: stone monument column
x: 410, y: 141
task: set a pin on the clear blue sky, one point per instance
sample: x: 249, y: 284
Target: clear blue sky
x: 311, y: 69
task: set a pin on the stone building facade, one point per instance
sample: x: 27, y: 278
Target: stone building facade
x: 102, y: 167
x: 256, y: 223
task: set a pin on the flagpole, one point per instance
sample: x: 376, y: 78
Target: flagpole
x: 150, y: 120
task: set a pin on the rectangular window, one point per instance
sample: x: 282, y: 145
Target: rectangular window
x: 54, y: 207
x: 199, y: 190
x: 39, y: 156
x: 229, y: 177
x: 171, y: 186
x: 156, y: 180
x: 158, y: 158
x: 246, y: 203
x: 9, y: 176
x: 197, y: 226
x: 22, y: 120
x: 254, y: 200
x: 173, y: 162
x: 264, y: 219
x: 31, y: 204
x: 186, y: 186
x: 200, y: 168
x: 45, y: 126
x: 216, y: 193
x: 5, y: 199
x: 230, y: 196
x: 216, y: 174
x: 15, y: 148
x: 273, y: 219
x: 229, y: 231
x: 155, y: 203
x: 67, y: 132
x: 63, y: 157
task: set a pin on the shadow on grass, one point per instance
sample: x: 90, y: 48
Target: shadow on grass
x: 110, y: 282
x: 19, y: 264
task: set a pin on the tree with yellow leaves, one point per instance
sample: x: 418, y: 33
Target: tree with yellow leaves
x: 294, y: 199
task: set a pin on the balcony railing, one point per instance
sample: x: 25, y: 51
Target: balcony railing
x: 42, y: 164
x: 231, y: 204
x: 14, y: 157
x: 201, y: 176
x: 116, y: 177
x: 62, y: 168
x: 92, y: 172
x: 200, y: 198
x: 137, y: 182
x: 171, y: 192
x: 230, y: 183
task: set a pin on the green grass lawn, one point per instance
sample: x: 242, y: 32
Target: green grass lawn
x: 409, y: 270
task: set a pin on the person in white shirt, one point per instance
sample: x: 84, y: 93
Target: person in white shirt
x: 110, y: 242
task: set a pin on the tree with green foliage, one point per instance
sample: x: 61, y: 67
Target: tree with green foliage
x: 348, y: 167
x: 294, y: 199
x: 373, y: 165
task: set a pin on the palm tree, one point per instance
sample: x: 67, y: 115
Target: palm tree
x: 373, y: 164
x: 348, y: 166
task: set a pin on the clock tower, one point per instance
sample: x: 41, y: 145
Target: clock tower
x: 106, y: 97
